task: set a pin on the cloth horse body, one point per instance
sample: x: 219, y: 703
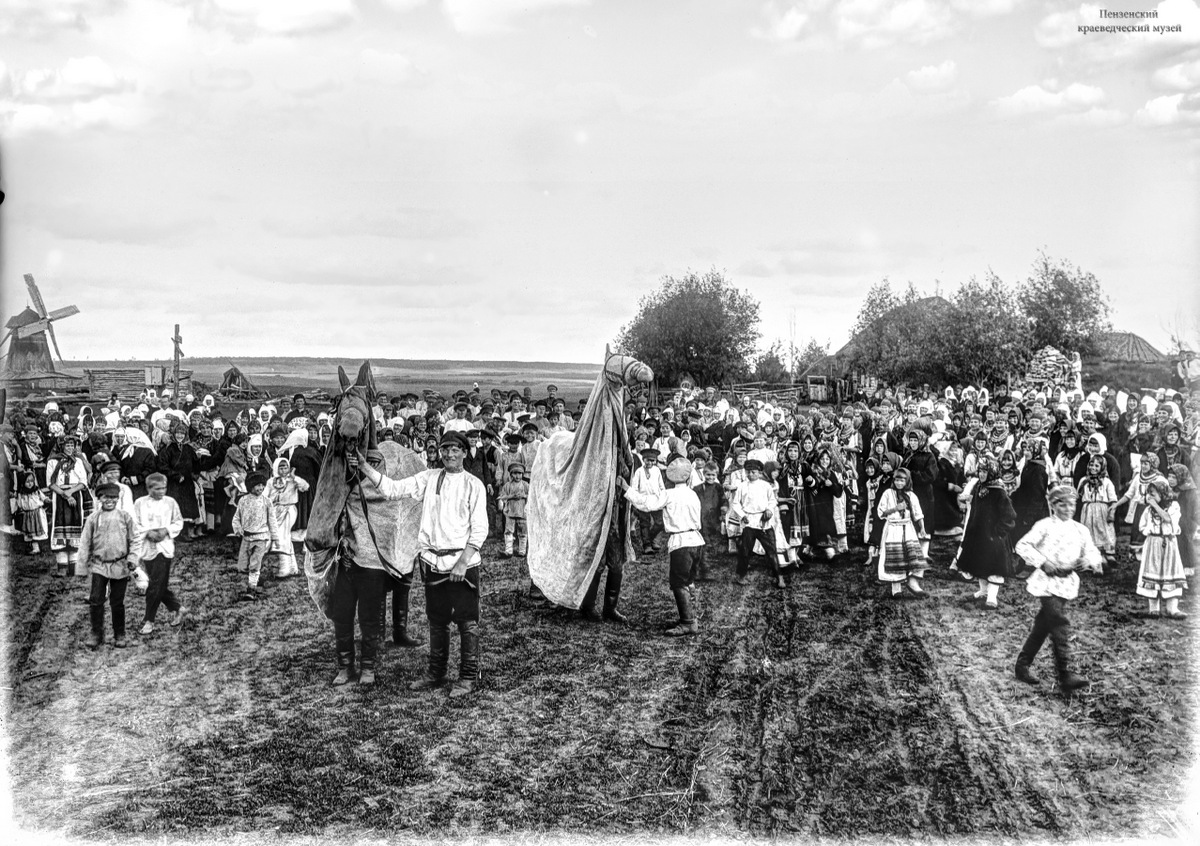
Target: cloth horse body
x: 572, y: 488
x: 345, y: 515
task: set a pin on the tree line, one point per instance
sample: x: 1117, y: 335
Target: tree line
x: 702, y: 327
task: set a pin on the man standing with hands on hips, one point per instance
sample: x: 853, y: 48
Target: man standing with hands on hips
x: 454, y: 526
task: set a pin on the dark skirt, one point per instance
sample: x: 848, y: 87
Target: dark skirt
x: 184, y: 494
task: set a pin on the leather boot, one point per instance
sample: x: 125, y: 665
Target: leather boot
x: 1029, y: 651
x: 468, y: 659
x: 345, y: 665
x: 366, y: 674
x: 687, y: 621
x: 1068, y: 682
x: 96, y: 612
x: 439, y: 655
x: 401, y: 636
x: 612, y: 594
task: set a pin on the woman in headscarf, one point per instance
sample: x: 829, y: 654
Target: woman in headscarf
x: 180, y: 464
x: 1179, y: 477
x: 71, y: 502
x: 985, y: 553
x: 1029, y: 499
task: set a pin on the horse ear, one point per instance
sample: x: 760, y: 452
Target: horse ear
x: 366, y: 378
x: 607, y: 351
x: 343, y: 378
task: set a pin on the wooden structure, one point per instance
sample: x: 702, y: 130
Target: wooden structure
x: 129, y: 382
x: 28, y: 365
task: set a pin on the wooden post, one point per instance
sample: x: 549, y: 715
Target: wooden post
x: 178, y: 352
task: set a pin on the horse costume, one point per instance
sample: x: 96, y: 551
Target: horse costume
x: 353, y: 532
x: 574, y: 514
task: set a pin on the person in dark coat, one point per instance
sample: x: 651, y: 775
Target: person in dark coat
x: 822, y: 484
x: 180, y: 464
x: 922, y: 466
x: 1029, y: 499
x: 947, y: 515
x: 986, y: 549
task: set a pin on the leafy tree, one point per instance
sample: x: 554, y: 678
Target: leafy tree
x: 771, y: 367
x: 1067, y: 307
x: 986, y: 336
x: 697, y: 325
x: 809, y: 356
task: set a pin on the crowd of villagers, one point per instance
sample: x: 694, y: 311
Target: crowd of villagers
x: 1039, y: 485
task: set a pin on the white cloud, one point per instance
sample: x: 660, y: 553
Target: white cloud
x: 1184, y: 76
x: 786, y: 23
x: 1042, y: 99
x: 1170, y: 110
x: 880, y: 23
x: 40, y: 18
x: 478, y: 17
x: 402, y: 5
x: 933, y: 77
x: 222, y: 79
x: 80, y: 79
x: 250, y: 18
x: 985, y: 8
x: 383, y: 66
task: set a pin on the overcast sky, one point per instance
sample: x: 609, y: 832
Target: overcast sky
x: 502, y: 179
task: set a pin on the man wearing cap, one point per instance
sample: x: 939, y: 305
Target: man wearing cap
x: 299, y: 413
x: 754, y: 504
x: 680, y: 508
x: 459, y: 422
x: 454, y: 526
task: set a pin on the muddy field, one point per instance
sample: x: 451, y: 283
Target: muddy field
x: 822, y: 710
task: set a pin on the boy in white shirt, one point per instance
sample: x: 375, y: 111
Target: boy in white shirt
x: 680, y: 508
x: 159, y: 522
x: 648, y: 482
x: 754, y: 504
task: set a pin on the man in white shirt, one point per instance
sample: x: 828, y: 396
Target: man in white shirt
x: 459, y: 422
x: 454, y: 525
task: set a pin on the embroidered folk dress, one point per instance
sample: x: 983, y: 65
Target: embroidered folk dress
x: 1096, y: 496
x: 68, y: 515
x: 1161, y: 572
x: 900, y: 547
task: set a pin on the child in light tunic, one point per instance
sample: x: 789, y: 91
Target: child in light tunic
x: 283, y: 491
x: 108, y: 549
x: 1161, y: 573
x: 1097, y: 494
x: 1057, y: 547
x: 901, y: 558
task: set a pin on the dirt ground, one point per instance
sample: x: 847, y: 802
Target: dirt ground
x: 824, y: 711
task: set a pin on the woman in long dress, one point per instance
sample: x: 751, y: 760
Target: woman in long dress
x: 71, y: 502
x: 986, y: 550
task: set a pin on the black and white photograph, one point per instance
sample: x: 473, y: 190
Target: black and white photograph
x: 586, y: 421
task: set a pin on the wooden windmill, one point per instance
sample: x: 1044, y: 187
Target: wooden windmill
x: 28, y: 355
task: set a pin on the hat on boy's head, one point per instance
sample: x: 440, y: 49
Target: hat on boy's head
x: 461, y: 406
x: 552, y: 387
x: 109, y: 465
x: 474, y: 433
x: 679, y: 470
x: 255, y: 479
x: 650, y: 454
x: 753, y: 464
x: 512, y: 438
x: 539, y: 403
x: 108, y: 489
x: 529, y: 427
x: 524, y: 418
x: 516, y: 468
x: 457, y: 439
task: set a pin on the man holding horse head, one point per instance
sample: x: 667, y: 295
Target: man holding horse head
x: 454, y: 525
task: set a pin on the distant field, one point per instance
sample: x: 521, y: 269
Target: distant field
x: 574, y: 380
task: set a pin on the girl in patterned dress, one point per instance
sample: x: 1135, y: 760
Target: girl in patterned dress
x: 901, y: 559
x: 1097, y: 493
x: 1161, y: 573
x: 31, y: 513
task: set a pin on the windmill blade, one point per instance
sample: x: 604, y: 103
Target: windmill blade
x: 35, y: 294
x: 54, y: 340
x: 60, y: 313
x: 31, y: 329
x: 6, y: 337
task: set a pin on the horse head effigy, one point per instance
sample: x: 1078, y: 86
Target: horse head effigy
x: 572, y: 487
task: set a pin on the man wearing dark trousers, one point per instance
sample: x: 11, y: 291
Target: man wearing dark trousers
x: 453, y: 528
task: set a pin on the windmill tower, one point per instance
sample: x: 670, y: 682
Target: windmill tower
x: 30, y: 335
